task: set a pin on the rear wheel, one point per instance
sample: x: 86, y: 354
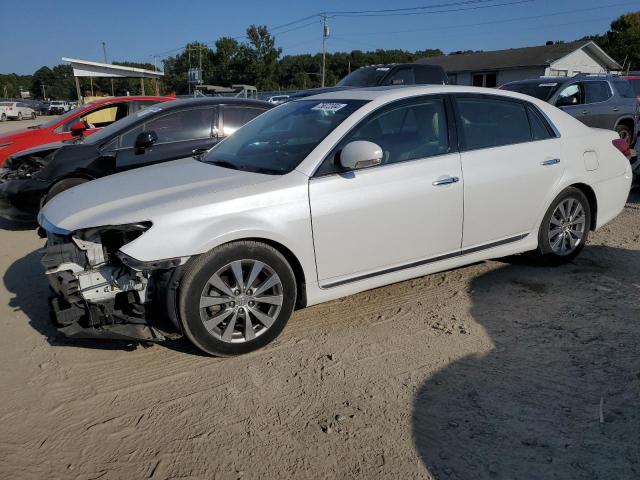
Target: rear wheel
x: 625, y: 133
x: 61, y: 186
x: 236, y: 298
x: 564, y: 229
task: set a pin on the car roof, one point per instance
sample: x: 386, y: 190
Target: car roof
x: 393, y: 92
x: 188, y: 102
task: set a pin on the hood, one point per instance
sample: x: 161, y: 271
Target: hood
x: 149, y: 194
x: 17, y: 135
x: 40, y: 149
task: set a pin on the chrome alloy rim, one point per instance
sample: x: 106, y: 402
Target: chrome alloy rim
x: 567, y: 226
x: 241, y: 301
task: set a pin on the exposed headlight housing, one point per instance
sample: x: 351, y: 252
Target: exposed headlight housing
x: 111, y: 237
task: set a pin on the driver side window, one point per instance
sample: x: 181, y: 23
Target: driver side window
x: 571, y: 95
x: 404, y: 132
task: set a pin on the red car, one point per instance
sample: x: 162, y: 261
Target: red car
x: 75, y: 122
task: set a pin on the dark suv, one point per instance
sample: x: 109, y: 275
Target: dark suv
x: 379, y: 75
x: 601, y: 101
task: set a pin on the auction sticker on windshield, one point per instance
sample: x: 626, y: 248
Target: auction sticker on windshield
x: 329, y: 107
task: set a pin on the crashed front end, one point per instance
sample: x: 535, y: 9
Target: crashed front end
x: 100, y: 292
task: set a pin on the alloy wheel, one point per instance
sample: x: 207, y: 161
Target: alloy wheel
x: 241, y: 301
x: 567, y: 226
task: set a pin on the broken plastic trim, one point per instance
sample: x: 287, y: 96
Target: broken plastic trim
x: 142, y: 266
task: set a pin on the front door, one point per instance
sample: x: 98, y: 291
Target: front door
x: 179, y: 133
x: 407, y: 209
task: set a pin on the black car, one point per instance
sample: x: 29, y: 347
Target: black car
x: 380, y: 75
x: 160, y: 133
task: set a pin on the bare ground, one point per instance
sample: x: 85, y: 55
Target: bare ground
x: 499, y: 370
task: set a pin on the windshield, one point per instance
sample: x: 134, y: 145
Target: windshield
x: 543, y: 90
x: 6, y: 104
x: 364, y: 77
x: 279, y: 139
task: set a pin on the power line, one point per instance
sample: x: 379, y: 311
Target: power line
x: 505, y: 20
x: 404, y: 14
x: 407, y: 9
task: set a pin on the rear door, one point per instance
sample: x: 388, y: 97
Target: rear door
x: 601, y: 106
x: 179, y: 133
x: 511, y: 159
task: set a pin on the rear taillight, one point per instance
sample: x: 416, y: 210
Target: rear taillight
x: 622, y: 145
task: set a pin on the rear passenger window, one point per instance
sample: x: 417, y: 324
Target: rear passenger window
x: 597, y: 92
x: 492, y: 123
x: 235, y: 117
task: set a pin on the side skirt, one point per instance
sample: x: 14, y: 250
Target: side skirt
x: 427, y: 261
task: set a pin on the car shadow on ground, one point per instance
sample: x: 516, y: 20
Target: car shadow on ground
x: 17, y: 226
x: 26, y: 280
x: 559, y: 394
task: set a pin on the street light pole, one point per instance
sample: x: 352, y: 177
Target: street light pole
x: 104, y: 50
x: 325, y: 35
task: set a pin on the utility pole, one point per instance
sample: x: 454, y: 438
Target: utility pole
x: 104, y: 50
x: 325, y: 35
x: 44, y: 92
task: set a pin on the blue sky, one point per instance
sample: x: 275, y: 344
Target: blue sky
x: 40, y: 31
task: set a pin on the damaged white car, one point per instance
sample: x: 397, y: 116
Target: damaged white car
x: 321, y: 198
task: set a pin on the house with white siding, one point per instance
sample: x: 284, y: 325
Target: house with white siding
x: 495, y: 68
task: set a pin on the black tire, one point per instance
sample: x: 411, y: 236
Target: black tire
x: 3, y: 118
x: 33, y: 116
x: 19, y: 116
x: 545, y: 253
x: 61, y: 186
x: 625, y: 132
x: 200, y: 269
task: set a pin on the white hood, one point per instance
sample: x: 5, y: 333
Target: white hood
x: 172, y: 188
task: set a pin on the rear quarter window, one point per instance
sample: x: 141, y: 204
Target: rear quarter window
x: 623, y: 88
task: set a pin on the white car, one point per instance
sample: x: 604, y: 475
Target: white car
x: 16, y: 111
x: 324, y: 197
x: 58, y: 107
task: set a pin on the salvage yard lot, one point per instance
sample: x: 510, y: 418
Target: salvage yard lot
x: 497, y: 370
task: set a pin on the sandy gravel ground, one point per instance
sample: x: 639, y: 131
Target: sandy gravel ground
x: 499, y: 370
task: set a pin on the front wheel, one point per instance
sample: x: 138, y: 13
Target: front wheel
x: 564, y: 229
x: 61, y: 186
x: 236, y: 298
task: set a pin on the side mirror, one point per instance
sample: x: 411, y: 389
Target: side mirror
x: 360, y: 154
x: 198, y: 152
x: 78, y: 129
x: 145, y: 139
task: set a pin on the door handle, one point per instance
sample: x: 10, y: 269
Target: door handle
x: 552, y: 161
x: 616, y: 109
x: 585, y: 112
x: 445, y: 181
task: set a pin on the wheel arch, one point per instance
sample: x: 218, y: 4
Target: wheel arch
x: 76, y: 174
x: 593, y: 201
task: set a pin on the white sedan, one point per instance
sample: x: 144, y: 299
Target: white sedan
x: 321, y: 198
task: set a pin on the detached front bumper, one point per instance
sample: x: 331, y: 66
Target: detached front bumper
x: 20, y: 198
x: 96, y: 296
